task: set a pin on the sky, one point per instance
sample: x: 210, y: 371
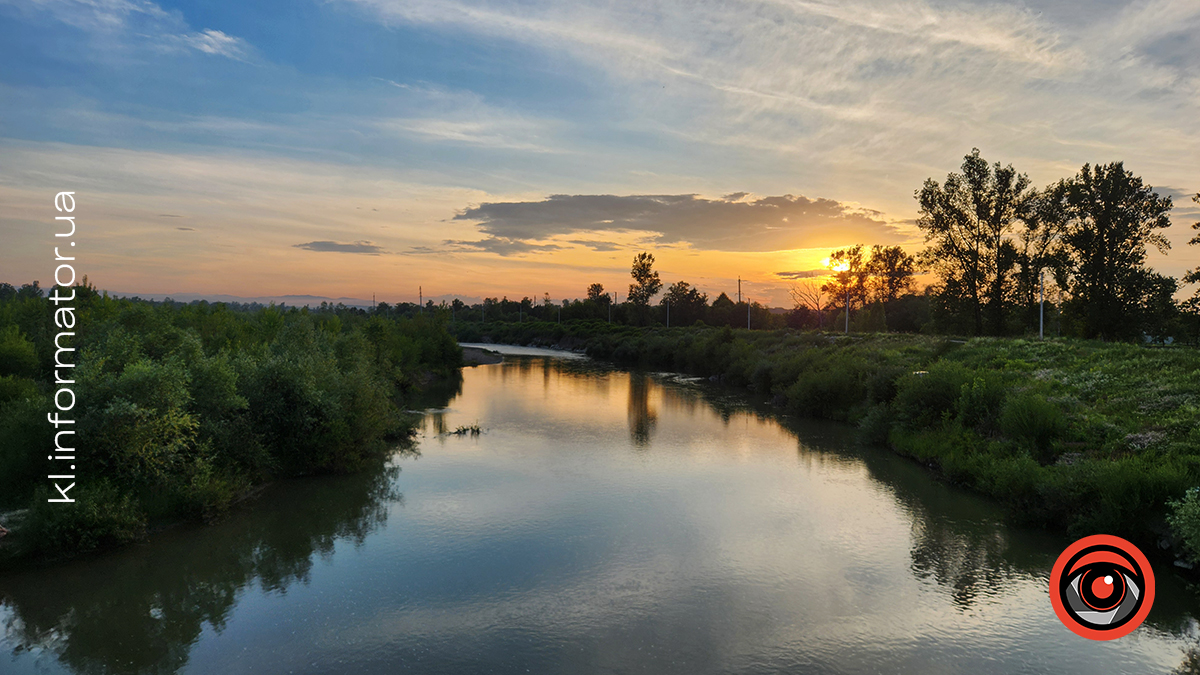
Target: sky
x: 346, y: 148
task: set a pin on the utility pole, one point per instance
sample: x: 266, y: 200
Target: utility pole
x: 1041, y: 305
x: 668, y: 313
x: 420, y: 300
x: 847, y: 309
x: 739, y: 290
x: 747, y: 313
x: 610, y: 304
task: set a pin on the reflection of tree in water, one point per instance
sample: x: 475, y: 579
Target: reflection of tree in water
x: 969, y: 562
x: 140, y: 610
x: 958, y: 540
x: 642, y: 417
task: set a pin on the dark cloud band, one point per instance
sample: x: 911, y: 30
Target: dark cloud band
x: 730, y: 223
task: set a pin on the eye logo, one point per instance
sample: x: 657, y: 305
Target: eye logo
x: 1102, y: 587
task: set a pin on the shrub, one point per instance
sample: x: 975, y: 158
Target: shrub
x: 1184, y: 519
x: 17, y: 354
x: 925, y: 400
x: 875, y: 426
x: 1035, y: 421
x: 830, y: 394
x: 101, y: 517
x: 980, y: 403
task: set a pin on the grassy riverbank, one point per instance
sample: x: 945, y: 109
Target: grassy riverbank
x: 1090, y: 436
x: 183, y: 410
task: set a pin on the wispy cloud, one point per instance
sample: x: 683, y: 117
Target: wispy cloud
x: 367, y: 247
x: 863, y: 92
x: 132, y: 24
x: 501, y: 246
x: 212, y: 42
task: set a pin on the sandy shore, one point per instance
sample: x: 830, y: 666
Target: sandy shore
x: 474, y: 356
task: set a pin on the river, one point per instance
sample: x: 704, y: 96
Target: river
x: 601, y: 521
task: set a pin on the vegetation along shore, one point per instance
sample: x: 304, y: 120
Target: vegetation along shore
x: 186, y: 409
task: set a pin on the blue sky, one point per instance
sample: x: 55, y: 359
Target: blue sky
x: 217, y: 145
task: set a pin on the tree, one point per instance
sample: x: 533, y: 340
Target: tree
x: 849, y: 283
x: 1191, y: 306
x: 889, y: 272
x: 1110, y: 218
x: 968, y: 222
x: 687, y: 304
x: 645, y: 283
x: 1041, y: 248
x: 596, y: 294
x: 808, y: 297
x: 1193, y: 277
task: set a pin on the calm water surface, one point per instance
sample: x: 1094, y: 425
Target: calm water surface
x: 603, y: 522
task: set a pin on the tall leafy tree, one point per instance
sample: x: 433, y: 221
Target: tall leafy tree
x: 1193, y: 277
x: 595, y: 293
x: 1111, y: 216
x: 688, y: 304
x: 646, y: 283
x: 849, y: 282
x: 890, y: 272
x: 1191, y: 306
x: 968, y: 222
x: 1041, y: 249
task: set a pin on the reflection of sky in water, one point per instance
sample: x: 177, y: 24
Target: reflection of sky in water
x: 616, y: 522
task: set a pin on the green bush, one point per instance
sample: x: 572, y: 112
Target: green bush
x: 18, y: 356
x: 1033, y: 420
x: 25, y: 440
x: 831, y: 394
x: 980, y: 403
x: 927, y: 399
x: 101, y: 517
x: 14, y: 388
x: 875, y: 426
x: 1184, y: 518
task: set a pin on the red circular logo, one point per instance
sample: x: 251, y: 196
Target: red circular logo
x: 1102, y: 587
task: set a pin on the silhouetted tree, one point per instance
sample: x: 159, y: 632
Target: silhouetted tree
x: 596, y: 294
x: 687, y: 304
x: 849, y: 283
x: 646, y: 283
x: 1193, y: 277
x: 889, y: 272
x: 808, y: 299
x: 1111, y: 216
x: 967, y: 222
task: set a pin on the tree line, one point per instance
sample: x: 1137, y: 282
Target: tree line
x: 1006, y: 258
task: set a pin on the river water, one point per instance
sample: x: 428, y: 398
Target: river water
x: 602, y: 521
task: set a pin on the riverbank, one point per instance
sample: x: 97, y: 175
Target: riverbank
x: 182, y: 411
x: 477, y: 356
x: 1086, y: 436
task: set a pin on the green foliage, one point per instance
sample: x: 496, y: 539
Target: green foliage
x: 928, y: 398
x: 102, y: 516
x: 17, y: 354
x: 25, y: 439
x: 980, y: 403
x: 876, y: 426
x: 182, y: 409
x: 1033, y: 420
x: 1184, y: 519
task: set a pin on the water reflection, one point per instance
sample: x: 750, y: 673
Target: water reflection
x: 642, y: 415
x: 141, y: 610
x: 730, y: 541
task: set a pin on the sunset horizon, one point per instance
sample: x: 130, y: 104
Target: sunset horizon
x: 490, y: 149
